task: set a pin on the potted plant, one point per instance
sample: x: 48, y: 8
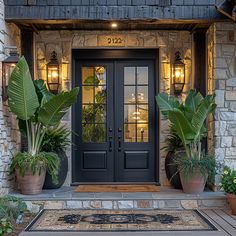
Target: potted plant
x: 228, y: 184
x: 188, y: 120
x: 173, y: 146
x: 36, y: 110
x: 56, y: 139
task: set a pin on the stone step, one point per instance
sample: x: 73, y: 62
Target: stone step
x: 66, y: 198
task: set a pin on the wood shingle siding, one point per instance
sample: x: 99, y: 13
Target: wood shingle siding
x: 111, y: 9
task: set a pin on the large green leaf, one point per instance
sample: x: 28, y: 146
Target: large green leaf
x: 42, y: 91
x: 193, y: 100
x: 166, y: 103
x: 23, y: 100
x: 181, y: 126
x: 191, y: 104
x: 206, y: 107
x: 52, y: 111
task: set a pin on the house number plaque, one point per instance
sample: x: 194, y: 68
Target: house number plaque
x: 111, y: 40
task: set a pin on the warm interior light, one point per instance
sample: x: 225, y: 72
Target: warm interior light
x: 54, y: 74
x: 177, y: 73
x: 114, y: 25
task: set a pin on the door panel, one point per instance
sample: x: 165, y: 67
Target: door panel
x: 114, y: 120
x: 135, y: 156
x: 93, y: 158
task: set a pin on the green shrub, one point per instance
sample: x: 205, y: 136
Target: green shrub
x: 228, y: 180
x: 11, y: 209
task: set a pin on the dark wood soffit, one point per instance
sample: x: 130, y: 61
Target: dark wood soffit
x: 37, y: 25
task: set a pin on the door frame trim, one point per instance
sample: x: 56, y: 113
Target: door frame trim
x: 118, y: 54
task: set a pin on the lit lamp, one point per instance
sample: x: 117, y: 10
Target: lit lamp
x: 178, y: 74
x: 7, y: 67
x: 53, y: 80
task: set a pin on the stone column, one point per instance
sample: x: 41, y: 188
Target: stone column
x: 9, y: 135
x: 222, y: 81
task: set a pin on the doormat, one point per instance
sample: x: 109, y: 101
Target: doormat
x: 117, y: 220
x: 117, y: 188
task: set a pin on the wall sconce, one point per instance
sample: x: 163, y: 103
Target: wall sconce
x: 8, y: 66
x: 53, y: 78
x: 178, y: 74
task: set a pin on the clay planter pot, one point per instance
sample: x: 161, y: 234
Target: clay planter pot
x: 30, y: 184
x: 195, y: 183
x: 232, y: 202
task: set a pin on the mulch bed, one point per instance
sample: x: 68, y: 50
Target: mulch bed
x: 18, y: 228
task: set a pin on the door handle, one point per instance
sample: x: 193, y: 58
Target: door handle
x: 110, y: 144
x: 119, y: 144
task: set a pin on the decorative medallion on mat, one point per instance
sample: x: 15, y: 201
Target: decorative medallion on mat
x: 112, y: 220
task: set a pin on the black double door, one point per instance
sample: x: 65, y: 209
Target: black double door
x: 114, y: 121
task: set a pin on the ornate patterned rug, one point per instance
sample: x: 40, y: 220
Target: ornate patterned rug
x: 117, y: 220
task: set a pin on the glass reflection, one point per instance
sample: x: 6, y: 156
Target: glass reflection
x: 142, y: 75
x: 129, y: 75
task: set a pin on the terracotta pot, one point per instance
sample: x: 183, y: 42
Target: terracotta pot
x: 195, y: 183
x: 232, y: 202
x: 30, y: 184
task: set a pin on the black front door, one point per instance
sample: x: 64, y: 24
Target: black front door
x: 114, y: 121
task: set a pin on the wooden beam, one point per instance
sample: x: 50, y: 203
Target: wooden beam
x: 27, y: 48
x: 200, y: 79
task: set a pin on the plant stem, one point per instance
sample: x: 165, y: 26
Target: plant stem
x: 28, y: 136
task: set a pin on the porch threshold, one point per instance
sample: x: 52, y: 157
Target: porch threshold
x: 68, y: 193
x: 167, y: 198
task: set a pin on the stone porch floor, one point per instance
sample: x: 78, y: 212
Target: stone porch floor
x: 167, y: 198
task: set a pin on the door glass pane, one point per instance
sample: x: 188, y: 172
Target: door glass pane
x: 130, y: 114
x: 99, y: 133
x: 88, y: 133
x: 93, y: 104
x: 100, y: 94
x: 87, y: 75
x: 87, y: 94
x: 130, y: 133
x: 129, y: 94
x: 142, y: 96
x: 88, y: 114
x: 100, y: 113
x: 136, y: 104
x: 142, y: 75
x: 142, y: 132
x: 129, y: 75
x: 142, y: 111
x: 100, y: 72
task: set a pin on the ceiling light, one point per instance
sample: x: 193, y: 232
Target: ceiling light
x: 114, y: 25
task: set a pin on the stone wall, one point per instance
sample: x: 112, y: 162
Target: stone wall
x: 167, y: 41
x: 9, y: 135
x: 222, y: 79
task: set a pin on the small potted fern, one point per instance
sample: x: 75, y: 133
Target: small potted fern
x: 56, y: 139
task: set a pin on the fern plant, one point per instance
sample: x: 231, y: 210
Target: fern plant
x: 37, y: 110
x: 188, y: 121
x: 56, y: 139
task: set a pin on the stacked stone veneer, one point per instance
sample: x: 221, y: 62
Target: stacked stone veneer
x: 121, y: 204
x: 9, y: 135
x: 222, y: 80
x: 168, y: 43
